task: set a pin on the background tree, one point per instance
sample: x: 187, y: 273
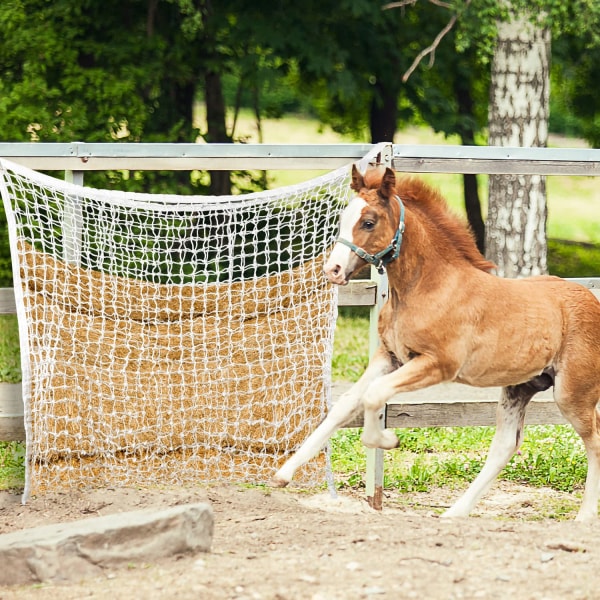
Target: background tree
x: 518, y: 116
x: 517, y: 35
x: 69, y: 74
x: 453, y: 100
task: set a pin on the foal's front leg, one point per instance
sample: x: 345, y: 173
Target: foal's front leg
x: 348, y: 405
x: 420, y: 372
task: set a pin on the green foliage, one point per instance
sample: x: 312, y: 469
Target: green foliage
x: 5, y: 260
x: 74, y: 57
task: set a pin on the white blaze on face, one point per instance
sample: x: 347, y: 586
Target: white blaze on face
x: 341, y: 255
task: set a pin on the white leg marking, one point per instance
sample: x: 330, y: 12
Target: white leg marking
x: 586, y: 425
x: 340, y: 413
x: 507, y: 440
x: 589, y: 505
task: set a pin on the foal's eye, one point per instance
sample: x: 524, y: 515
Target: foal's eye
x: 368, y: 225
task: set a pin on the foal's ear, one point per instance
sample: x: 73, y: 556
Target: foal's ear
x: 387, y: 189
x: 358, y: 181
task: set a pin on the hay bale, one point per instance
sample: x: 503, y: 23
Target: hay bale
x: 139, y: 375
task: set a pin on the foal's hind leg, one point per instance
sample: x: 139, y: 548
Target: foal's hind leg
x: 507, y: 439
x: 578, y: 401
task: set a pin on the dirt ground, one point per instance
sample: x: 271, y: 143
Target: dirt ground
x: 284, y: 545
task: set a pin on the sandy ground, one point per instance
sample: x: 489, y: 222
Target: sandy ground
x: 282, y: 544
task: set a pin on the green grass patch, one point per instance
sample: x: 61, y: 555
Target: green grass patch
x: 12, y: 465
x: 572, y: 259
x: 551, y: 456
x: 10, y: 357
x: 12, y: 454
x: 351, y: 346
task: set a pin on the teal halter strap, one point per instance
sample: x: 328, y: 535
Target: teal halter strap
x: 385, y: 256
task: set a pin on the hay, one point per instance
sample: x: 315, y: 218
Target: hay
x: 117, y: 393
x: 99, y: 293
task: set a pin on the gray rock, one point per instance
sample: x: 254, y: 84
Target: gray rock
x: 82, y: 549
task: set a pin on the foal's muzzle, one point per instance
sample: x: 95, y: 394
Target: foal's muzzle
x: 334, y: 269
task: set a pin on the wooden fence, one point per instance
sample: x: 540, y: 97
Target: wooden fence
x: 444, y: 405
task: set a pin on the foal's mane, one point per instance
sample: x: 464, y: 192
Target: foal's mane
x: 430, y: 204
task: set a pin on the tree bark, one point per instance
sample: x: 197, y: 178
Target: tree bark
x: 518, y: 116
x: 220, y: 183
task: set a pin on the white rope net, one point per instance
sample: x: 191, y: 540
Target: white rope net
x: 170, y: 339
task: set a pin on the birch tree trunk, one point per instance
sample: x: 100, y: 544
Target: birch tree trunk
x: 518, y: 116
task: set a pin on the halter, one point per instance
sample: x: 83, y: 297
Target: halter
x: 385, y: 256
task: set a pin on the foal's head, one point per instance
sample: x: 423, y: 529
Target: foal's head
x: 370, y: 227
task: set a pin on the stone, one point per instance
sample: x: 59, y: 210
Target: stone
x: 83, y: 549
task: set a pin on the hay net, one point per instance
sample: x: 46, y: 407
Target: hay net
x: 170, y: 339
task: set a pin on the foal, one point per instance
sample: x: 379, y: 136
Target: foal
x: 447, y: 318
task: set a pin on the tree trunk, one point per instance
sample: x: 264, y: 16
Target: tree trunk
x: 466, y: 110
x: 473, y: 208
x: 220, y: 183
x: 518, y: 116
x: 383, y: 115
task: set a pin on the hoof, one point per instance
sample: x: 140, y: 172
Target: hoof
x: 390, y: 439
x: 386, y: 440
x: 277, y: 482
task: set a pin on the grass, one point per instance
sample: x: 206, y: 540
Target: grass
x: 551, y: 456
x: 12, y: 454
x: 10, y: 361
x: 12, y: 465
x: 570, y: 259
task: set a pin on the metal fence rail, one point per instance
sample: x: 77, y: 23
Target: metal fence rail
x: 81, y: 156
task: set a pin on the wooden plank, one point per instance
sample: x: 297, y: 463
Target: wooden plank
x: 358, y: 292
x: 465, y: 414
x: 11, y: 413
x: 7, y: 301
x: 496, y: 160
x: 80, y: 156
x: 472, y: 413
x: 454, y: 405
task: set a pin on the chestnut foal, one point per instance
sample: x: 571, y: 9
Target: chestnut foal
x: 447, y: 318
